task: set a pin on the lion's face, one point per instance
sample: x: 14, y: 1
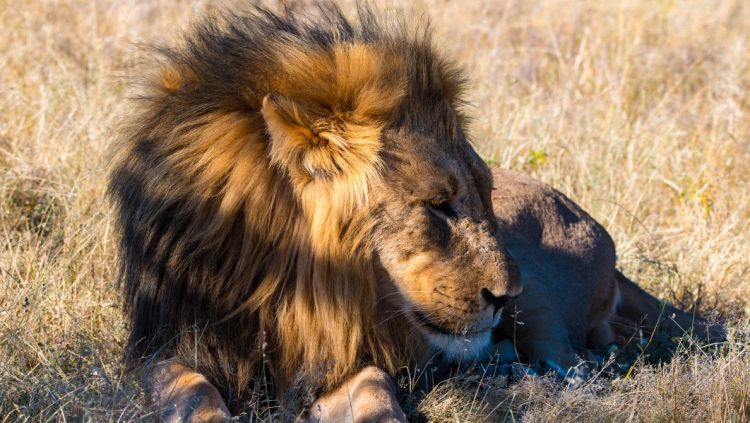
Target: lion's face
x: 382, y: 171
x: 434, y: 236
x: 422, y: 196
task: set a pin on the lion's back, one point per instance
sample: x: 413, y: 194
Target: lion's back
x: 567, y: 254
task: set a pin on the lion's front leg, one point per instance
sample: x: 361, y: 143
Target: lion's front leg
x: 368, y: 396
x: 183, y: 395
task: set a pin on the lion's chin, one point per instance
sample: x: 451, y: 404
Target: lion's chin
x: 472, y: 346
x: 467, y: 346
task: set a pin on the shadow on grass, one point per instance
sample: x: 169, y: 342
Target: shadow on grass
x: 490, y: 392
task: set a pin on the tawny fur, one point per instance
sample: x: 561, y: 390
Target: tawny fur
x: 368, y: 396
x: 273, y: 170
x: 575, y: 301
x: 181, y: 395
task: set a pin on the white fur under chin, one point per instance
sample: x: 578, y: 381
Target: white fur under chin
x: 455, y: 348
x: 469, y: 347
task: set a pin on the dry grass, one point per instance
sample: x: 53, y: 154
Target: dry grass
x: 638, y: 110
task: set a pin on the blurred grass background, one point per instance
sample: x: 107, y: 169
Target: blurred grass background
x: 636, y: 109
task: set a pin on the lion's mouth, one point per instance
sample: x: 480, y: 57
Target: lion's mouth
x: 428, y: 324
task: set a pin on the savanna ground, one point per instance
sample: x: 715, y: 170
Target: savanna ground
x: 636, y: 109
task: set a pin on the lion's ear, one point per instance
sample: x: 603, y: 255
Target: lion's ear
x: 315, y: 142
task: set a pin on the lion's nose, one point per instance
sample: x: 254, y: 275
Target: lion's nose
x: 495, y: 300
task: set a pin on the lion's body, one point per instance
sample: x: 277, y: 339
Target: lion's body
x: 567, y: 263
x: 575, y: 301
x: 219, y: 265
x: 256, y: 185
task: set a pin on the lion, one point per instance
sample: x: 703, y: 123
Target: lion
x: 298, y: 202
x: 576, y: 305
x: 296, y: 198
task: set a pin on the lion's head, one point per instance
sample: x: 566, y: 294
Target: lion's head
x: 300, y: 192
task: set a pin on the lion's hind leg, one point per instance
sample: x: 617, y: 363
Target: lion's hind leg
x: 183, y: 395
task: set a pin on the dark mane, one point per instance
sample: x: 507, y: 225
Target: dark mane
x: 218, y: 264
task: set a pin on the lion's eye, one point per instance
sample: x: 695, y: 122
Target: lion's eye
x: 441, y: 208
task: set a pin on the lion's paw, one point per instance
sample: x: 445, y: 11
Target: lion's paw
x: 574, y: 376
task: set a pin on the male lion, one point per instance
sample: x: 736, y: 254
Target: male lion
x: 298, y: 202
x: 297, y: 199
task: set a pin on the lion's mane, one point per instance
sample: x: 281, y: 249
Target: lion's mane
x: 224, y: 264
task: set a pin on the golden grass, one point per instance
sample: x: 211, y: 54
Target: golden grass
x: 637, y: 109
